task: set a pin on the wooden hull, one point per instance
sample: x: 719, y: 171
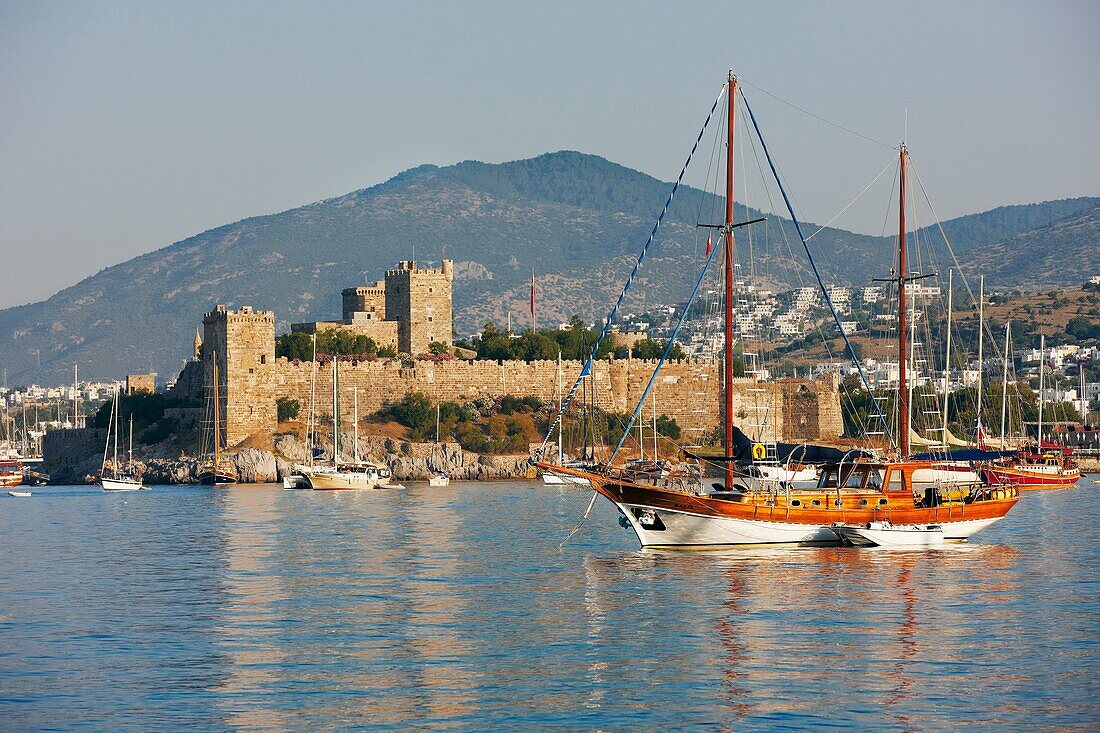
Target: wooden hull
x: 8, y: 480
x: 1031, y: 479
x: 214, y: 478
x: 664, y: 517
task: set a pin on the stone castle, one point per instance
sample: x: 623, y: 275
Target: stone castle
x: 407, y: 311
x: 410, y: 309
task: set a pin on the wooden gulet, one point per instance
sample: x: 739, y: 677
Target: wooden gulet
x: 675, y: 511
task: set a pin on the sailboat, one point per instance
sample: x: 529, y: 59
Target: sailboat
x: 1038, y: 466
x: 849, y: 491
x: 549, y: 478
x: 216, y: 469
x: 117, y: 479
x: 344, y: 475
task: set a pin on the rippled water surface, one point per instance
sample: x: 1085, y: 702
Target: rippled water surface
x: 254, y: 608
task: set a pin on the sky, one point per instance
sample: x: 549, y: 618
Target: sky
x: 127, y: 126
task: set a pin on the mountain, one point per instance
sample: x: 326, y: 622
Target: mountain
x: 578, y: 219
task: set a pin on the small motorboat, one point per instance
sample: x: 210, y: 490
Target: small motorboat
x: 22, y: 494
x: 884, y: 534
x: 295, y: 480
x: 439, y: 479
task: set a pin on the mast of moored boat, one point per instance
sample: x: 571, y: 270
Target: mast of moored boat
x: 114, y: 461
x: 355, y: 418
x: 130, y: 451
x: 1004, y: 384
x: 903, y: 394
x: 335, y: 413
x: 728, y: 351
x: 560, y: 425
x: 311, y: 438
x: 947, y: 358
x: 1042, y: 372
x: 217, y: 420
x: 981, y: 371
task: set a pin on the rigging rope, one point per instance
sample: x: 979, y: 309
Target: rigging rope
x: 664, y: 355
x: 817, y: 273
x: 587, y: 369
x: 817, y: 117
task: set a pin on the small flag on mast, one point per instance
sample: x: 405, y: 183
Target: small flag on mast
x: 709, y: 244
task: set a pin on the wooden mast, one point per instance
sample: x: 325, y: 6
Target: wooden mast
x: 903, y: 408
x: 217, y: 419
x: 728, y: 355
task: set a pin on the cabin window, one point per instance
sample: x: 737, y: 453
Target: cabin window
x: 854, y: 480
x: 897, y: 481
x: 828, y: 479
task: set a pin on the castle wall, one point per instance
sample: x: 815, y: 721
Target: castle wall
x: 686, y: 391
x: 71, y: 446
x: 189, y: 383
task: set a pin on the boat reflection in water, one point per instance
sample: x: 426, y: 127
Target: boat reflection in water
x: 767, y: 630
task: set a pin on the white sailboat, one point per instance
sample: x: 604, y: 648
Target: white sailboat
x: 550, y: 478
x: 117, y: 479
x: 345, y: 476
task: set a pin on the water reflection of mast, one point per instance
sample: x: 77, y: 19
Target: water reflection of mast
x: 907, y: 642
x: 734, y: 650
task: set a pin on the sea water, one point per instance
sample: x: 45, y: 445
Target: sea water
x: 254, y: 608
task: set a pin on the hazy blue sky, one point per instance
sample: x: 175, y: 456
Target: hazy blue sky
x: 127, y: 126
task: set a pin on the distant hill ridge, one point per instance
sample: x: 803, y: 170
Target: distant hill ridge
x: 578, y: 219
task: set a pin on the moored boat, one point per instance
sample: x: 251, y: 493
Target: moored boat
x: 857, y: 491
x: 215, y: 469
x: 11, y: 473
x: 884, y: 534
x: 118, y: 477
x: 1033, y: 472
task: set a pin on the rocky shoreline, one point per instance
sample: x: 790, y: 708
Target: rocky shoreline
x: 407, y: 461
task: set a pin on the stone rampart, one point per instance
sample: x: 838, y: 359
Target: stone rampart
x: 687, y: 391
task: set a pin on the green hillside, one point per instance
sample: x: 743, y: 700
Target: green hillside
x: 578, y: 219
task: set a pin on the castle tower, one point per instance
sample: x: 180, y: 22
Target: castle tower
x: 244, y: 342
x: 419, y: 300
x: 197, y: 345
x: 370, y: 300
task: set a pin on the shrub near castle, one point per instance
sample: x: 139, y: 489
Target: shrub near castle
x: 503, y: 425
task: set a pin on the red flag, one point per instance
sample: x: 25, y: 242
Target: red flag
x: 709, y: 244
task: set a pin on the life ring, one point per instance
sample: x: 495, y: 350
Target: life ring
x: 759, y: 452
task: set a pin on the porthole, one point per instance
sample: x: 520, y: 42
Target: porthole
x: 816, y: 502
x: 796, y: 502
x: 838, y: 502
x: 882, y: 502
x: 863, y: 502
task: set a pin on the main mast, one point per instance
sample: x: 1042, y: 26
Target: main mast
x: 903, y: 407
x: 217, y: 419
x: 728, y: 365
